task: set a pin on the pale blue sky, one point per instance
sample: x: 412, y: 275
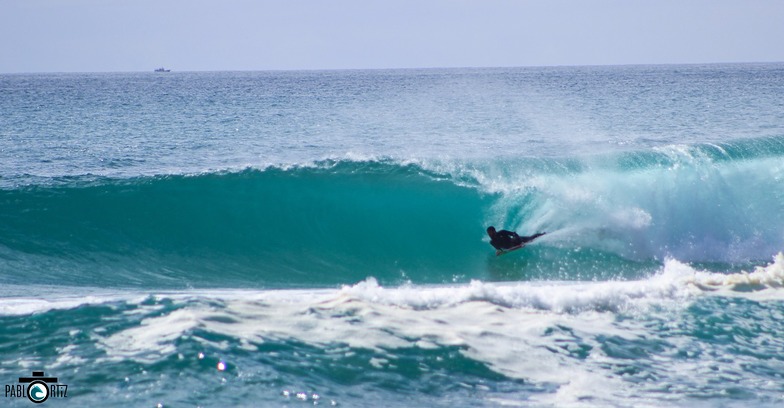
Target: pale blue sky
x: 208, y: 35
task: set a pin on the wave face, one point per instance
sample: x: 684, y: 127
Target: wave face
x: 327, y: 224
x: 618, y: 216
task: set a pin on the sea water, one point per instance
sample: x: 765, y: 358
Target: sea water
x: 318, y: 238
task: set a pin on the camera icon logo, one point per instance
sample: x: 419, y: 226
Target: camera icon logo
x: 38, y: 388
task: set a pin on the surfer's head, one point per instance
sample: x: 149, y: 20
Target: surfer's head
x: 491, y: 231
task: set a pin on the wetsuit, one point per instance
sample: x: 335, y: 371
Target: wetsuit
x: 507, y: 239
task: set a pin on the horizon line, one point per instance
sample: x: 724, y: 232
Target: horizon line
x: 411, y: 68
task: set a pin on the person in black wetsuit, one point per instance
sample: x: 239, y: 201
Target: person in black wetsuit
x: 503, y: 240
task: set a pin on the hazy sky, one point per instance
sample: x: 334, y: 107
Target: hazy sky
x: 199, y: 35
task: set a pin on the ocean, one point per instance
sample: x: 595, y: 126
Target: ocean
x: 291, y: 239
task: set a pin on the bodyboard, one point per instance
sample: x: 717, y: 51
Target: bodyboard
x: 515, y: 248
x: 508, y: 250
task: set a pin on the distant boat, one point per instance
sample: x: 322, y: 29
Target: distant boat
x: 162, y: 69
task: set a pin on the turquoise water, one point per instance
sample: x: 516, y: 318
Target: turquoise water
x: 290, y: 238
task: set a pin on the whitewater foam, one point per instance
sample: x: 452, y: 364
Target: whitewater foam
x: 369, y: 316
x: 531, y: 331
x: 676, y: 281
